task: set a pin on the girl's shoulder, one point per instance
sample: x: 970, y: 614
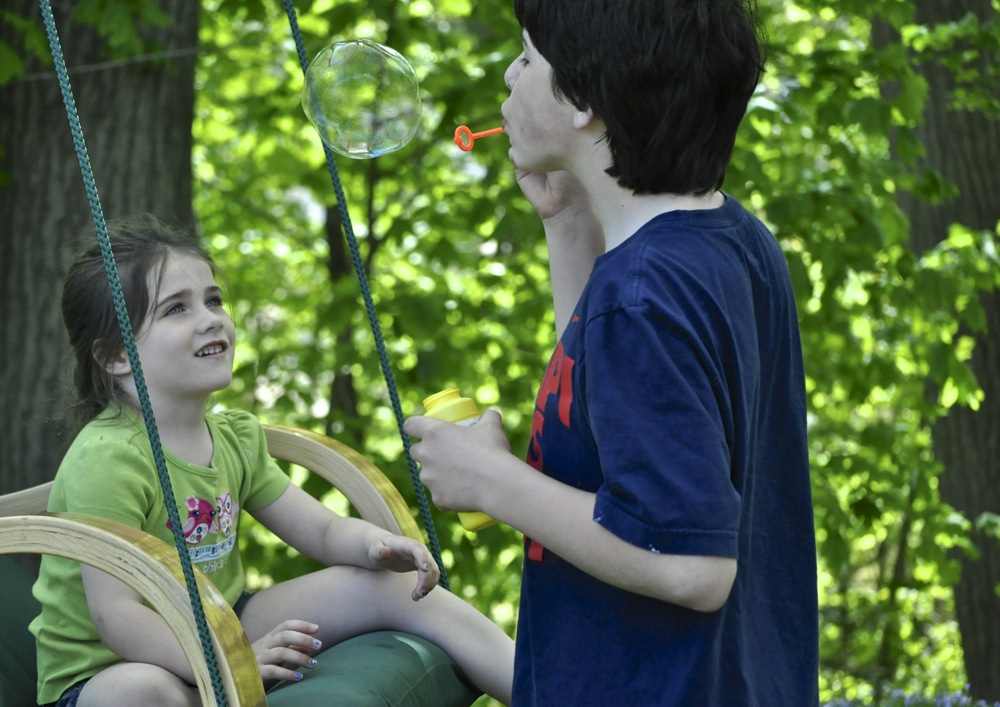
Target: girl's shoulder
x: 110, y: 458
x: 111, y: 432
x: 238, y: 432
x: 244, y: 425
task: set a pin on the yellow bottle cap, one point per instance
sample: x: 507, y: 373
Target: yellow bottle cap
x: 445, y: 396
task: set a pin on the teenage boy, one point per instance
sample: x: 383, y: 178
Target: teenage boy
x: 669, y: 541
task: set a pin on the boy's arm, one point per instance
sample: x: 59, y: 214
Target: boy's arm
x: 558, y: 516
x: 561, y: 518
x: 572, y: 231
x: 128, y: 628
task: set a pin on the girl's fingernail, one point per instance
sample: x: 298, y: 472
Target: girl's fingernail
x: 423, y: 593
x: 312, y: 663
x: 317, y: 644
x: 298, y: 676
x: 315, y: 627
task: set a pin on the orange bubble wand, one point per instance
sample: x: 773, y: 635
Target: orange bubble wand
x: 465, y: 138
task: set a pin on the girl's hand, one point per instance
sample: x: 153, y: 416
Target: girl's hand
x: 398, y: 553
x: 290, y: 642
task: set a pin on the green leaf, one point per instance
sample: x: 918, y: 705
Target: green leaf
x: 11, y: 65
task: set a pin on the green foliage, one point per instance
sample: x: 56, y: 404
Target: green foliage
x: 120, y: 22
x: 898, y: 698
x: 31, y: 42
x: 967, y: 48
x: 457, y: 269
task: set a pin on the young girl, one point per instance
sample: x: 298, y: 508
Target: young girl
x: 97, y: 643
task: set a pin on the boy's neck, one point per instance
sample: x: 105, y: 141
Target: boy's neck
x: 622, y: 212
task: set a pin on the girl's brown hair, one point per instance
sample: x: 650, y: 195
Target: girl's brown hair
x: 140, y: 246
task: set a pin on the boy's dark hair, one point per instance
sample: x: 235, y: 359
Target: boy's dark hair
x: 140, y: 245
x: 670, y: 79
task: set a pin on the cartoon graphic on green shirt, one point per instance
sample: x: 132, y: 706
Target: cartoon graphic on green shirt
x: 205, y: 518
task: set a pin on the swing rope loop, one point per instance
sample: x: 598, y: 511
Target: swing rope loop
x: 133, y: 355
x: 376, y: 328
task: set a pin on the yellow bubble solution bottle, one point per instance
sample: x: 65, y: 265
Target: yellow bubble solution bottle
x: 450, y: 406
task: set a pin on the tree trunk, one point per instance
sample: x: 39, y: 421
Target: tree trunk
x: 965, y: 148
x: 136, y: 114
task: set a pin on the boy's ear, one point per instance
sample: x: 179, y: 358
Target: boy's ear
x: 583, y: 118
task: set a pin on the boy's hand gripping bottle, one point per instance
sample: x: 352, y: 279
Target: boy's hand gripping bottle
x: 450, y: 406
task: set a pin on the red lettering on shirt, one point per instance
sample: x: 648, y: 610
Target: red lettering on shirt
x: 557, y: 384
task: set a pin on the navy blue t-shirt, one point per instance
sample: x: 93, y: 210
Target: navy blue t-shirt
x: 676, y: 394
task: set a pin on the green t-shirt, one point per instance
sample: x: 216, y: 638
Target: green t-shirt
x: 109, y: 471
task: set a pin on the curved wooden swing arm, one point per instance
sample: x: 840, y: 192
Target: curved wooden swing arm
x: 369, y: 490
x: 124, y: 552
x: 30, y: 500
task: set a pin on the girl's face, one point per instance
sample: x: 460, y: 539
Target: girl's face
x: 186, y: 342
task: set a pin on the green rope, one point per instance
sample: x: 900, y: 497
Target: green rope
x: 133, y: 354
x: 383, y: 356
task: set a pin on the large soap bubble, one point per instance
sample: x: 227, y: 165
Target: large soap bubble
x: 362, y: 98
